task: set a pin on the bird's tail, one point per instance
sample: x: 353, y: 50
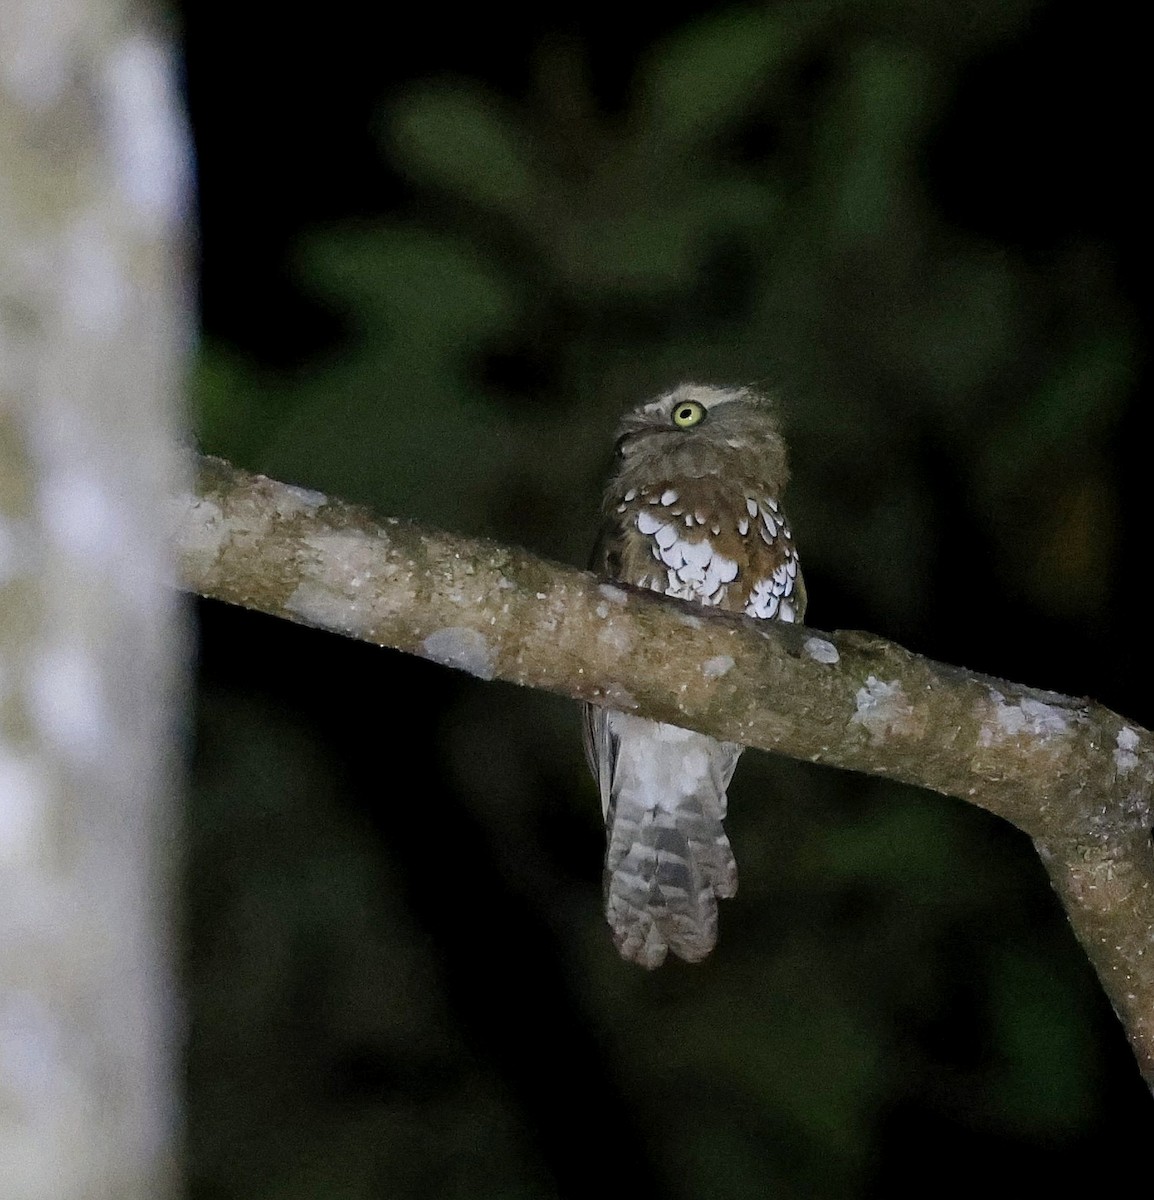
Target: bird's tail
x: 668, y: 859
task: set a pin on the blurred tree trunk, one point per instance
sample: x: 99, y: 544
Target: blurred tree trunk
x: 93, y: 329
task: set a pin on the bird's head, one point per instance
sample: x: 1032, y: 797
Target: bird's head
x: 697, y: 430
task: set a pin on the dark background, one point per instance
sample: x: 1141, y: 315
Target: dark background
x: 441, y: 250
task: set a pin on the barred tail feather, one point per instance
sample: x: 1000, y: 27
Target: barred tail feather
x: 668, y: 858
x: 662, y: 893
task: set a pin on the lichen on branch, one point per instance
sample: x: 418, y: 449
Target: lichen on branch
x: 1073, y: 775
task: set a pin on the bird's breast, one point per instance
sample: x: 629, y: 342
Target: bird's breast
x: 709, y: 542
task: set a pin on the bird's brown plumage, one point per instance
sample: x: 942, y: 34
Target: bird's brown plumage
x: 692, y: 512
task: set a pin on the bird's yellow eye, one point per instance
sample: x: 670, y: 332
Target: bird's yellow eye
x: 688, y: 413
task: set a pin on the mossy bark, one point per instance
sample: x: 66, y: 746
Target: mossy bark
x: 1073, y: 775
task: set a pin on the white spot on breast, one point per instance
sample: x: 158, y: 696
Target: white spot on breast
x: 696, y: 571
x: 724, y: 568
x: 630, y: 495
x: 666, y: 536
x: 697, y: 554
x: 766, y: 597
x: 669, y: 496
x: 613, y: 594
x: 671, y: 554
x: 648, y: 523
x: 743, y: 527
x: 751, y: 506
x: 762, y: 602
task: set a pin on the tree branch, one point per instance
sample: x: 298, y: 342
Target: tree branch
x: 1073, y: 775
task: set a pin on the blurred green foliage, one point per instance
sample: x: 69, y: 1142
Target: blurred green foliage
x: 757, y: 209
